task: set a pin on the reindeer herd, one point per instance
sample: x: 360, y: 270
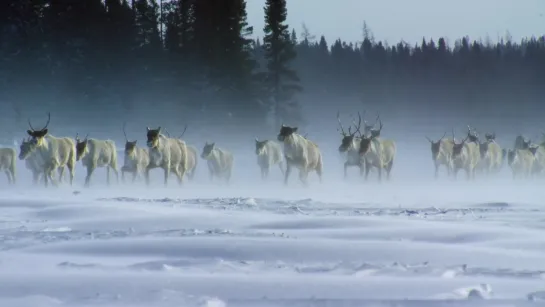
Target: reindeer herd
x: 46, y: 155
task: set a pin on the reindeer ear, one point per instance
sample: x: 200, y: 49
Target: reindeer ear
x: 159, y: 128
x: 44, y: 132
x: 294, y: 129
x: 148, y: 128
x: 30, y: 132
x: 256, y: 140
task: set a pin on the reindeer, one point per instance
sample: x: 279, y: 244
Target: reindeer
x: 521, y: 161
x: 350, y: 144
x: 54, y: 152
x: 491, y: 155
x: 136, y: 159
x: 300, y: 153
x: 472, y: 135
x: 8, y: 158
x: 167, y: 153
x: 95, y: 153
x: 220, y: 161
x: 192, y: 157
x: 521, y: 142
x: 269, y: 153
x: 378, y: 153
x: 33, y: 162
x: 465, y: 156
x: 441, y: 154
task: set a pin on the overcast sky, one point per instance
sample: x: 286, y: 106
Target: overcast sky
x: 393, y: 20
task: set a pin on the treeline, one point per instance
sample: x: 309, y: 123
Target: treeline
x: 198, y: 60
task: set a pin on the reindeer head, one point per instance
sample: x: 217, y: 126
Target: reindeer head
x: 153, y: 137
x: 37, y: 136
x: 457, y: 147
x: 259, y: 146
x: 375, y: 133
x: 435, y: 146
x: 81, y: 147
x: 348, y: 138
x: 490, y: 137
x: 365, y: 144
x: 526, y: 143
x: 26, y: 148
x: 285, y: 132
x: 472, y: 135
x: 207, y: 150
x: 130, y: 146
x: 483, y: 148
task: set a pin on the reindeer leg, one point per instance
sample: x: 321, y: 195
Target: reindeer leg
x: 90, y: 170
x: 282, y: 167
x: 288, y: 172
x: 389, y: 169
x: 146, y: 175
x: 166, y: 174
x: 108, y: 176
x: 367, y: 169
x: 437, y: 170
x: 8, y: 175
x: 346, y: 169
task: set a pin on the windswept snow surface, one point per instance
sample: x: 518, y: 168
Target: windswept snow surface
x: 254, y: 244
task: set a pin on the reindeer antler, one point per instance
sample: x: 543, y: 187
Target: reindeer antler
x: 125, y: 133
x: 357, y: 126
x: 340, y: 124
x: 185, y: 128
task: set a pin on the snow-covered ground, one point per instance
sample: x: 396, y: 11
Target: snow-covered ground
x: 417, y: 242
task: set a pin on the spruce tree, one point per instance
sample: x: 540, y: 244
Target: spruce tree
x: 281, y: 81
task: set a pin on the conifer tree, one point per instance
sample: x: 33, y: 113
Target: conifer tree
x: 282, y: 81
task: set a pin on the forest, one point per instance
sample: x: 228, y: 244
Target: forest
x: 187, y: 60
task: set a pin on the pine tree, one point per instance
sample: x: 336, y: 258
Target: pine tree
x: 281, y: 81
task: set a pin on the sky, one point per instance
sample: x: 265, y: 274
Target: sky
x: 394, y: 20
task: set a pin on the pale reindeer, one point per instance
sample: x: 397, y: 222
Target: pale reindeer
x: 521, y: 161
x: 54, y: 152
x: 441, y: 154
x: 350, y: 144
x: 192, y: 157
x: 465, y: 155
x: 95, y: 153
x: 136, y: 159
x: 379, y: 153
x: 167, y: 153
x: 301, y: 153
x: 269, y: 153
x: 491, y: 155
x: 8, y: 158
x: 33, y: 162
x: 220, y: 161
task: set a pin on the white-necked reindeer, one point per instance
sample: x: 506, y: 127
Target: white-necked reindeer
x: 269, y: 153
x: 220, y: 161
x: 301, y: 153
x: 350, y: 144
x: 491, y: 154
x: 54, y: 152
x: 465, y: 155
x: 33, y: 162
x: 167, y: 153
x: 95, y: 153
x: 8, y: 156
x: 136, y: 159
x: 441, y: 154
x: 379, y: 153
